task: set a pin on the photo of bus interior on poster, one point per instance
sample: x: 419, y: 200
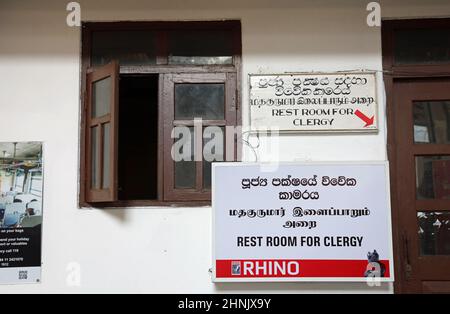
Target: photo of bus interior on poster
x: 21, y: 185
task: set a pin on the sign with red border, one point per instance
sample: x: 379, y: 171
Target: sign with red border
x: 301, y: 222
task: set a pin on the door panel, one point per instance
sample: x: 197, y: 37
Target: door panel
x: 210, y: 97
x: 422, y: 149
x: 102, y: 133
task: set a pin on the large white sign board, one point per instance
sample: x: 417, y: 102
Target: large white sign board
x: 344, y: 102
x: 301, y: 222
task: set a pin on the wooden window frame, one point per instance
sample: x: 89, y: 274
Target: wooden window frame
x: 229, y: 80
x: 393, y: 72
x: 388, y: 29
x: 110, y: 194
x: 164, y: 70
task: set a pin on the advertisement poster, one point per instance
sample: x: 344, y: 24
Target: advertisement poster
x: 301, y: 222
x: 21, y: 185
x: 345, y: 102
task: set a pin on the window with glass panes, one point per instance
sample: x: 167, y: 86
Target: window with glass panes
x: 141, y: 80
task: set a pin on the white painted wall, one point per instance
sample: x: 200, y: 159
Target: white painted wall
x: 168, y: 249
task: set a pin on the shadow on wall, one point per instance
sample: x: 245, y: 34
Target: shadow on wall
x: 123, y: 215
x: 39, y: 27
x: 119, y: 214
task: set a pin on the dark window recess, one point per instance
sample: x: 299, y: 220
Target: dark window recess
x: 138, y: 137
x: 200, y: 47
x: 129, y: 47
x: 422, y: 46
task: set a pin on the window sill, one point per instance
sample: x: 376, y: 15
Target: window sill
x: 171, y: 68
x: 144, y: 203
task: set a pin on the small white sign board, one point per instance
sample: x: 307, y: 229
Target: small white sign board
x: 335, y: 102
x: 302, y: 222
x: 21, y: 212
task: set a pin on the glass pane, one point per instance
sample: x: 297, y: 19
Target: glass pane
x: 129, y: 47
x: 432, y: 122
x: 95, y: 158
x: 185, y: 170
x: 106, y: 155
x: 433, y: 177
x: 200, y: 47
x: 200, y: 60
x: 213, y: 151
x: 434, y: 233
x: 20, y: 178
x: 206, y: 101
x: 422, y: 46
x: 101, y: 97
x: 36, y: 184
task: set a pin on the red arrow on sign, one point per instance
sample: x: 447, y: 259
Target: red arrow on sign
x: 366, y: 119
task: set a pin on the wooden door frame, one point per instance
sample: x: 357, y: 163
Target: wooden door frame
x: 391, y: 74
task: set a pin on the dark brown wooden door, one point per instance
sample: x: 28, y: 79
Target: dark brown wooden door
x: 422, y: 171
